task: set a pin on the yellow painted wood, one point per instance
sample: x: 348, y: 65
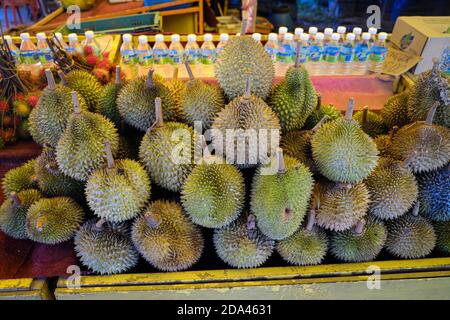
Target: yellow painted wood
x: 15, y: 284
x: 13, y: 289
x: 46, y: 19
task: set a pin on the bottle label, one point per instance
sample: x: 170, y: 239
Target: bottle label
x: 286, y: 54
x: 176, y: 57
x: 361, y: 53
x: 272, y: 52
x: 304, y: 54
x: 315, y: 53
x: 128, y: 56
x: 29, y: 57
x: 331, y: 54
x: 346, y: 54
x: 208, y: 56
x: 45, y: 55
x: 144, y: 57
x: 192, y: 56
x: 160, y: 56
x: 378, y: 54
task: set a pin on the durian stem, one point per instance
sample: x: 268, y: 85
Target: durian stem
x: 150, y: 83
x: 320, y: 123
x: 431, y: 113
x: 319, y: 102
x: 297, y: 54
x: 244, y: 27
x: 63, y: 78
x: 347, y: 186
x: 50, y: 79
x: 109, y: 156
x: 280, y: 161
x: 251, y: 222
x: 415, y: 210
x: 349, y: 112
x: 34, y: 179
x: 189, y: 70
x: 76, y: 104
x: 41, y: 221
x: 175, y: 73
x: 159, y: 121
x: 153, y: 220
x: 311, y: 220
x: 52, y: 170
x: 118, y: 76
x: 359, y: 228
x: 14, y: 199
x: 393, y: 132
x: 435, y: 67
x: 247, y: 87
x: 364, y: 114
x: 99, y: 224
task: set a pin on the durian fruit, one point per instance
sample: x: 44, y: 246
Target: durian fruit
x: 393, y: 189
x: 434, y: 194
x: 241, y: 126
x: 294, y: 98
x: 86, y: 85
x: 53, y: 220
x: 241, y: 56
x: 178, y: 89
x: 107, y: 104
x: 20, y: 178
x: 319, y: 112
x: 431, y: 87
x: 422, y: 145
x: 384, y: 142
x: 307, y: 246
x: 51, y: 180
x: 105, y: 247
x: 158, y: 148
x: 280, y: 196
x: 442, y: 229
x: 118, y: 192
x: 342, y: 151
x: 50, y: 116
x: 410, y: 236
x: 241, y: 244
x: 136, y: 101
x: 166, y: 238
x: 395, y: 110
x: 361, y: 244
x: 201, y: 101
x: 213, y: 194
x: 32, y: 129
x: 81, y: 150
x: 370, y: 122
x: 341, y: 206
x: 13, y: 212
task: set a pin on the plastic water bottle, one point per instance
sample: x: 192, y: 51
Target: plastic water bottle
x: 312, y: 33
x: 373, y: 32
x: 90, y: 44
x: 208, y: 50
x: 257, y: 37
x: 74, y: 45
x: 222, y: 43
x: 176, y: 50
x: 357, y: 32
x: 281, y: 33
x: 127, y: 51
x: 44, y: 52
x: 15, y: 52
x: 362, y: 50
x: 327, y: 33
x: 192, y: 50
x: 286, y: 53
x: 315, y: 54
x: 297, y: 34
x: 29, y: 56
x: 378, y: 53
x: 331, y: 55
x: 304, y: 48
x: 144, y: 52
x: 60, y: 40
x: 341, y: 30
x: 271, y: 46
x: 347, y: 54
x: 160, y: 50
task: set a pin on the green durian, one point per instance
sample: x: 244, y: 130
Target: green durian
x: 280, y: 196
x: 178, y: 89
x: 51, y: 114
x: 307, y: 246
x: 20, y: 178
x: 442, y: 229
x: 393, y: 189
x: 105, y: 247
x: 118, y: 192
x: 342, y: 151
x: 361, y: 244
x: 294, y: 99
x: 157, y: 152
x: 166, y: 238
x: 241, y: 56
x: 201, y: 101
x: 370, y: 122
x: 86, y: 85
x: 241, y: 245
x: 395, y: 110
x: 136, y: 101
x: 81, y: 149
x: 410, y: 236
x: 32, y: 129
x: 431, y: 86
x: 13, y: 212
x: 213, y: 194
x: 422, y: 145
x: 319, y: 112
x: 341, y: 206
x: 53, y: 220
x: 107, y: 102
x: 384, y: 142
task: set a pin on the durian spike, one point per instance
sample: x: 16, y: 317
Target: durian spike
x: 189, y: 71
x: 319, y: 102
x: 393, y: 132
x: 76, y: 104
x: 311, y: 220
x: 175, y: 73
x: 297, y: 54
x: 50, y: 80
x: 150, y: 83
x: 251, y: 222
x: 153, y: 220
x: 63, y: 78
x: 109, y: 156
x: 431, y: 113
x: 320, y: 123
x: 14, y: 199
x: 99, y: 224
x: 415, y: 210
x: 244, y: 27
x: 41, y: 221
x: 247, y: 87
x: 280, y: 161
x: 52, y: 170
x: 118, y: 76
x: 364, y: 114
x: 349, y: 112
x: 159, y: 121
x: 359, y: 228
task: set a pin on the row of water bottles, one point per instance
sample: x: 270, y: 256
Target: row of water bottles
x: 330, y: 52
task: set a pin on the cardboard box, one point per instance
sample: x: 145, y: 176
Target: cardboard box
x: 427, y: 37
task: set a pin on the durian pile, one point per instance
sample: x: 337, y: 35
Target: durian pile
x: 117, y: 175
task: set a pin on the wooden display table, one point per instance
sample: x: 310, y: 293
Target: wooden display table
x: 21, y: 289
